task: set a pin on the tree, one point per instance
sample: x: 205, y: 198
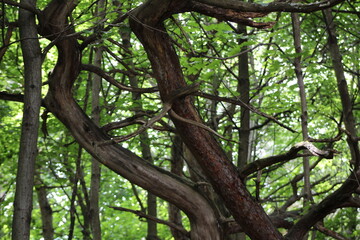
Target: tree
x: 162, y: 64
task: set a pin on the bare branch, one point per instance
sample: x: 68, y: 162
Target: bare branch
x: 321, y: 228
x: 144, y: 215
x: 100, y: 72
x: 291, y: 154
x: 275, y: 6
x: 245, y: 105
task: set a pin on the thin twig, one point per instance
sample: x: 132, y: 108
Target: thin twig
x: 144, y: 215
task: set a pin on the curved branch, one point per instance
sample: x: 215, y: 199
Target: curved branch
x: 148, y: 26
x: 62, y: 104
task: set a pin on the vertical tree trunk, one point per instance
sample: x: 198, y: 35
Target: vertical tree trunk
x: 45, y: 209
x: 244, y: 89
x: 144, y: 143
x: 95, y: 113
x: 95, y: 165
x: 177, y: 164
x: 304, y: 116
x: 346, y: 102
x: 30, y: 123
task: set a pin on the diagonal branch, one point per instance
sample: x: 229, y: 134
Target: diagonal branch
x: 100, y: 72
x: 144, y: 215
x: 245, y: 105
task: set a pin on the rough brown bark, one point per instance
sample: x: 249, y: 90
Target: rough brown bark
x: 244, y: 90
x: 61, y: 103
x: 147, y: 25
x: 275, y: 6
x: 29, y: 129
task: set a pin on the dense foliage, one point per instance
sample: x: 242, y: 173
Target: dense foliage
x: 209, y: 51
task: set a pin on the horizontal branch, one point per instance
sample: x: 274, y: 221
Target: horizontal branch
x: 275, y: 6
x: 144, y: 215
x: 22, y: 5
x: 16, y: 97
x: 231, y: 15
x: 291, y: 154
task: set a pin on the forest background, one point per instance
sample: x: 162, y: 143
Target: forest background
x: 179, y: 119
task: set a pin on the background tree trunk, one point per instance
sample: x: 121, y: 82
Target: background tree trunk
x: 30, y: 124
x: 349, y: 119
x: 144, y: 140
x: 45, y: 208
x: 95, y: 112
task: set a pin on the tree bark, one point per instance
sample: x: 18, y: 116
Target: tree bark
x: 244, y: 90
x: 147, y: 25
x: 29, y: 129
x: 60, y: 102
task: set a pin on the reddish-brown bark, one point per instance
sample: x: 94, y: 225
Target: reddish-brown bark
x: 147, y: 25
x: 146, y: 22
x: 60, y: 102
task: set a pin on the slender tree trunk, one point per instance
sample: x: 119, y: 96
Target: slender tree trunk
x: 244, y: 89
x: 45, y: 209
x: 95, y: 165
x: 30, y: 123
x: 177, y: 164
x: 95, y: 112
x: 346, y: 101
x: 144, y: 144
x: 333, y: 201
x: 304, y: 115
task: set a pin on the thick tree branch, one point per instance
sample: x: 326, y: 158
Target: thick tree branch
x: 22, y: 5
x: 62, y: 104
x: 147, y: 25
x: 230, y: 15
x: 275, y: 6
x: 16, y: 97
